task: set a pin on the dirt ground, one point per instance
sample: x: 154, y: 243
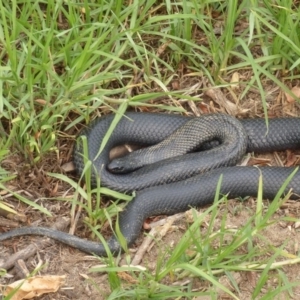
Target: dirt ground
x: 35, y: 184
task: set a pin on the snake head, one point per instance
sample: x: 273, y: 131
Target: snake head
x: 123, y: 165
x: 114, y: 167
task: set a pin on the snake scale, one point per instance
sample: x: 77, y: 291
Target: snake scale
x: 174, y: 174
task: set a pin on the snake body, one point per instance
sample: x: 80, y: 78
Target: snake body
x: 179, y: 182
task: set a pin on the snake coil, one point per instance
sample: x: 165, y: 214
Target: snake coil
x: 175, y: 176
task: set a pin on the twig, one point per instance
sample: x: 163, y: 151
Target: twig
x: 74, y: 219
x: 158, y: 229
x: 8, y: 223
x: 172, y: 218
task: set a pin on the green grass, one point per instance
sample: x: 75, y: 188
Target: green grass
x: 196, y: 255
x: 65, y: 62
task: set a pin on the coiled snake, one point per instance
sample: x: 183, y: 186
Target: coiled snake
x: 173, y: 181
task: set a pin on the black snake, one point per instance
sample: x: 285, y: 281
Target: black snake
x: 179, y: 181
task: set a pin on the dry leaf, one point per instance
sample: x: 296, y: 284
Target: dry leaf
x: 290, y: 159
x: 258, y: 161
x: 175, y: 85
x: 42, y: 102
x: 35, y: 286
x: 296, y: 91
x: 203, y: 107
x: 126, y: 277
x: 297, y: 224
x: 235, y: 79
x: 146, y: 225
x: 217, y: 96
x: 68, y: 167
